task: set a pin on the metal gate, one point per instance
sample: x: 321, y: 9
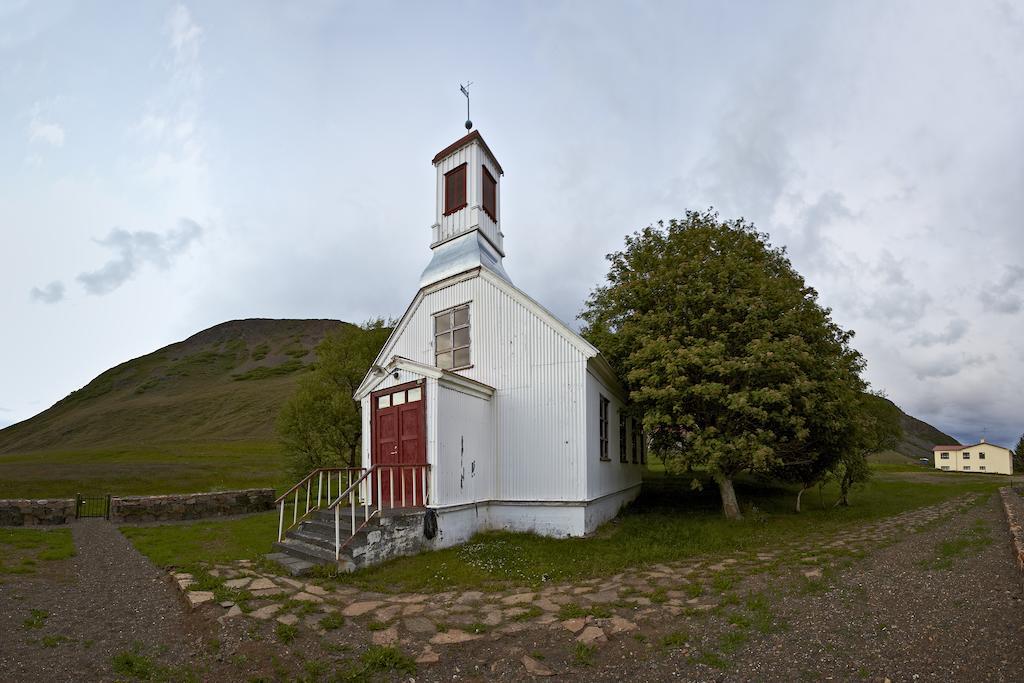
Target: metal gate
x: 92, y: 506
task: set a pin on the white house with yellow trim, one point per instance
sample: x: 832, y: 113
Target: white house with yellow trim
x: 983, y: 457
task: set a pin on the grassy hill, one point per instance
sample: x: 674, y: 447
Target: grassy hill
x: 224, y: 383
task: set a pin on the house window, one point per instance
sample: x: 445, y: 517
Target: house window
x: 967, y: 468
x: 455, y: 190
x: 944, y: 456
x: 622, y: 437
x: 981, y: 456
x: 981, y: 467
x: 603, y: 428
x: 643, y: 447
x: 490, y: 194
x: 945, y: 467
x: 967, y: 456
x: 634, y: 434
x: 451, y: 338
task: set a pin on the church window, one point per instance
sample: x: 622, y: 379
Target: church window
x: 622, y: 437
x: 490, y: 194
x: 455, y: 189
x: 603, y: 428
x: 451, y: 338
x: 635, y: 438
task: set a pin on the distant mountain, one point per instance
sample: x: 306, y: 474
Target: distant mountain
x: 919, y: 437
x: 224, y: 383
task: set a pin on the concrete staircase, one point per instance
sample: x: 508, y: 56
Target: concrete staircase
x: 311, y: 542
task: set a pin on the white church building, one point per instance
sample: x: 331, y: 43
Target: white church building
x: 505, y: 416
x: 518, y: 416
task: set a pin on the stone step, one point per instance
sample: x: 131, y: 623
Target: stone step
x: 325, y: 540
x: 300, y: 550
x: 294, y: 565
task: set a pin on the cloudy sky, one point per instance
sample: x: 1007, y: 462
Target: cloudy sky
x: 165, y: 167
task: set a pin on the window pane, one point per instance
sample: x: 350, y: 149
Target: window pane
x: 383, y: 401
x: 398, y: 398
x: 462, y: 316
x: 443, y: 322
x: 461, y: 337
x: 461, y: 357
x: 444, y: 360
x: 414, y: 394
x: 444, y: 342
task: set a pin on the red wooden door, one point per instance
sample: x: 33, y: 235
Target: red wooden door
x: 399, y: 438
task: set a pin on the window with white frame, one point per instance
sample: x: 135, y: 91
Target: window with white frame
x: 981, y: 467
x: 634, y: 440
x: 622, y: 437
x: 967, y: 468
x: 603, y: 428
x: 967, y: 456
x: 981, y: 456
x: 451, y: 338
x: 945, y: 467
x: 944, y: 456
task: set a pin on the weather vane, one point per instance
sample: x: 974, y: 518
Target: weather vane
x: 465, y: 91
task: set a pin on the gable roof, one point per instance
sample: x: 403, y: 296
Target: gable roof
x: 959, y: 447
x: 581, y: 344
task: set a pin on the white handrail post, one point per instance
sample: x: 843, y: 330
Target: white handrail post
x: 423, y: 476
x: 380, y: 502
x: 391, y: 491
x: 320, y: 489
x: 352, y: 505
x: 403, y: 486
x: 366, y: 496
x: 337, y: 532
x: 280, y: 523
x: 328, y: 488
x: 309, y: 490
x: 295, y: 508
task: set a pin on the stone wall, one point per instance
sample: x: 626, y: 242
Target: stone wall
x: 1013, y: 505
x: 392, y: 536
x: 36, y: 512
x: 189, y: 505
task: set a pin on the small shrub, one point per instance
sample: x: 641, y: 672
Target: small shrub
x: 583, y: 654
x: 332, y: 621
x: 478, y: 628
x: 37, y: 619
x: 53, y: 641
x: 377, y: 625
x: 380, y: 658
x: 659, y: 596
x: 286, y: 632
x: 695, y: 589
x: 674, y: 640
x: 133, y: 664
x: 532, y: 613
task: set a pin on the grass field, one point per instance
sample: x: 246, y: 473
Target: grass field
x: 21, y: 550
x: 189, y: 543
x: 668, y: 523
x: 172, y: 468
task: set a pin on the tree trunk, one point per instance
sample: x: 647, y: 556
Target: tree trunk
x: 798, y: 495
x: 844, y: 491
x: 730, y: 508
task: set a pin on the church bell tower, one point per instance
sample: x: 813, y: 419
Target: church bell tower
x: 467, y: 223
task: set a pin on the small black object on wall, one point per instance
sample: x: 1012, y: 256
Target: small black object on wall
x: 430, y: 524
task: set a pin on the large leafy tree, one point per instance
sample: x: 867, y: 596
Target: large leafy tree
x: 320, y: 425
x: 727, y: 355
x: 878, y: 428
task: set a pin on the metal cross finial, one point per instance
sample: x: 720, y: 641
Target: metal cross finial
x: 465, y: 91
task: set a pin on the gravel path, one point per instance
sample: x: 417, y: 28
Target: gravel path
x: 102, y: 601
x: 907, y: 613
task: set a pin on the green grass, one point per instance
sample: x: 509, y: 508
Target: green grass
x: 22, y: 549
x: 37, y: 619
x: 171, y: 468
x: 668, y: 523
x: 191, y: 543
x: 583, y: 654
x: 975, y: 539
x: 286, y: 633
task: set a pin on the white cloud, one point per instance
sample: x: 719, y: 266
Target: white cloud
x: 49, y: 133
x: 136, y: 249
x: 49, y: 294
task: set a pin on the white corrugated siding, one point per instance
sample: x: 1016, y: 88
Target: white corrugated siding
x: 465, y: 448
x: 540, y: 383
x: 606, y: 476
